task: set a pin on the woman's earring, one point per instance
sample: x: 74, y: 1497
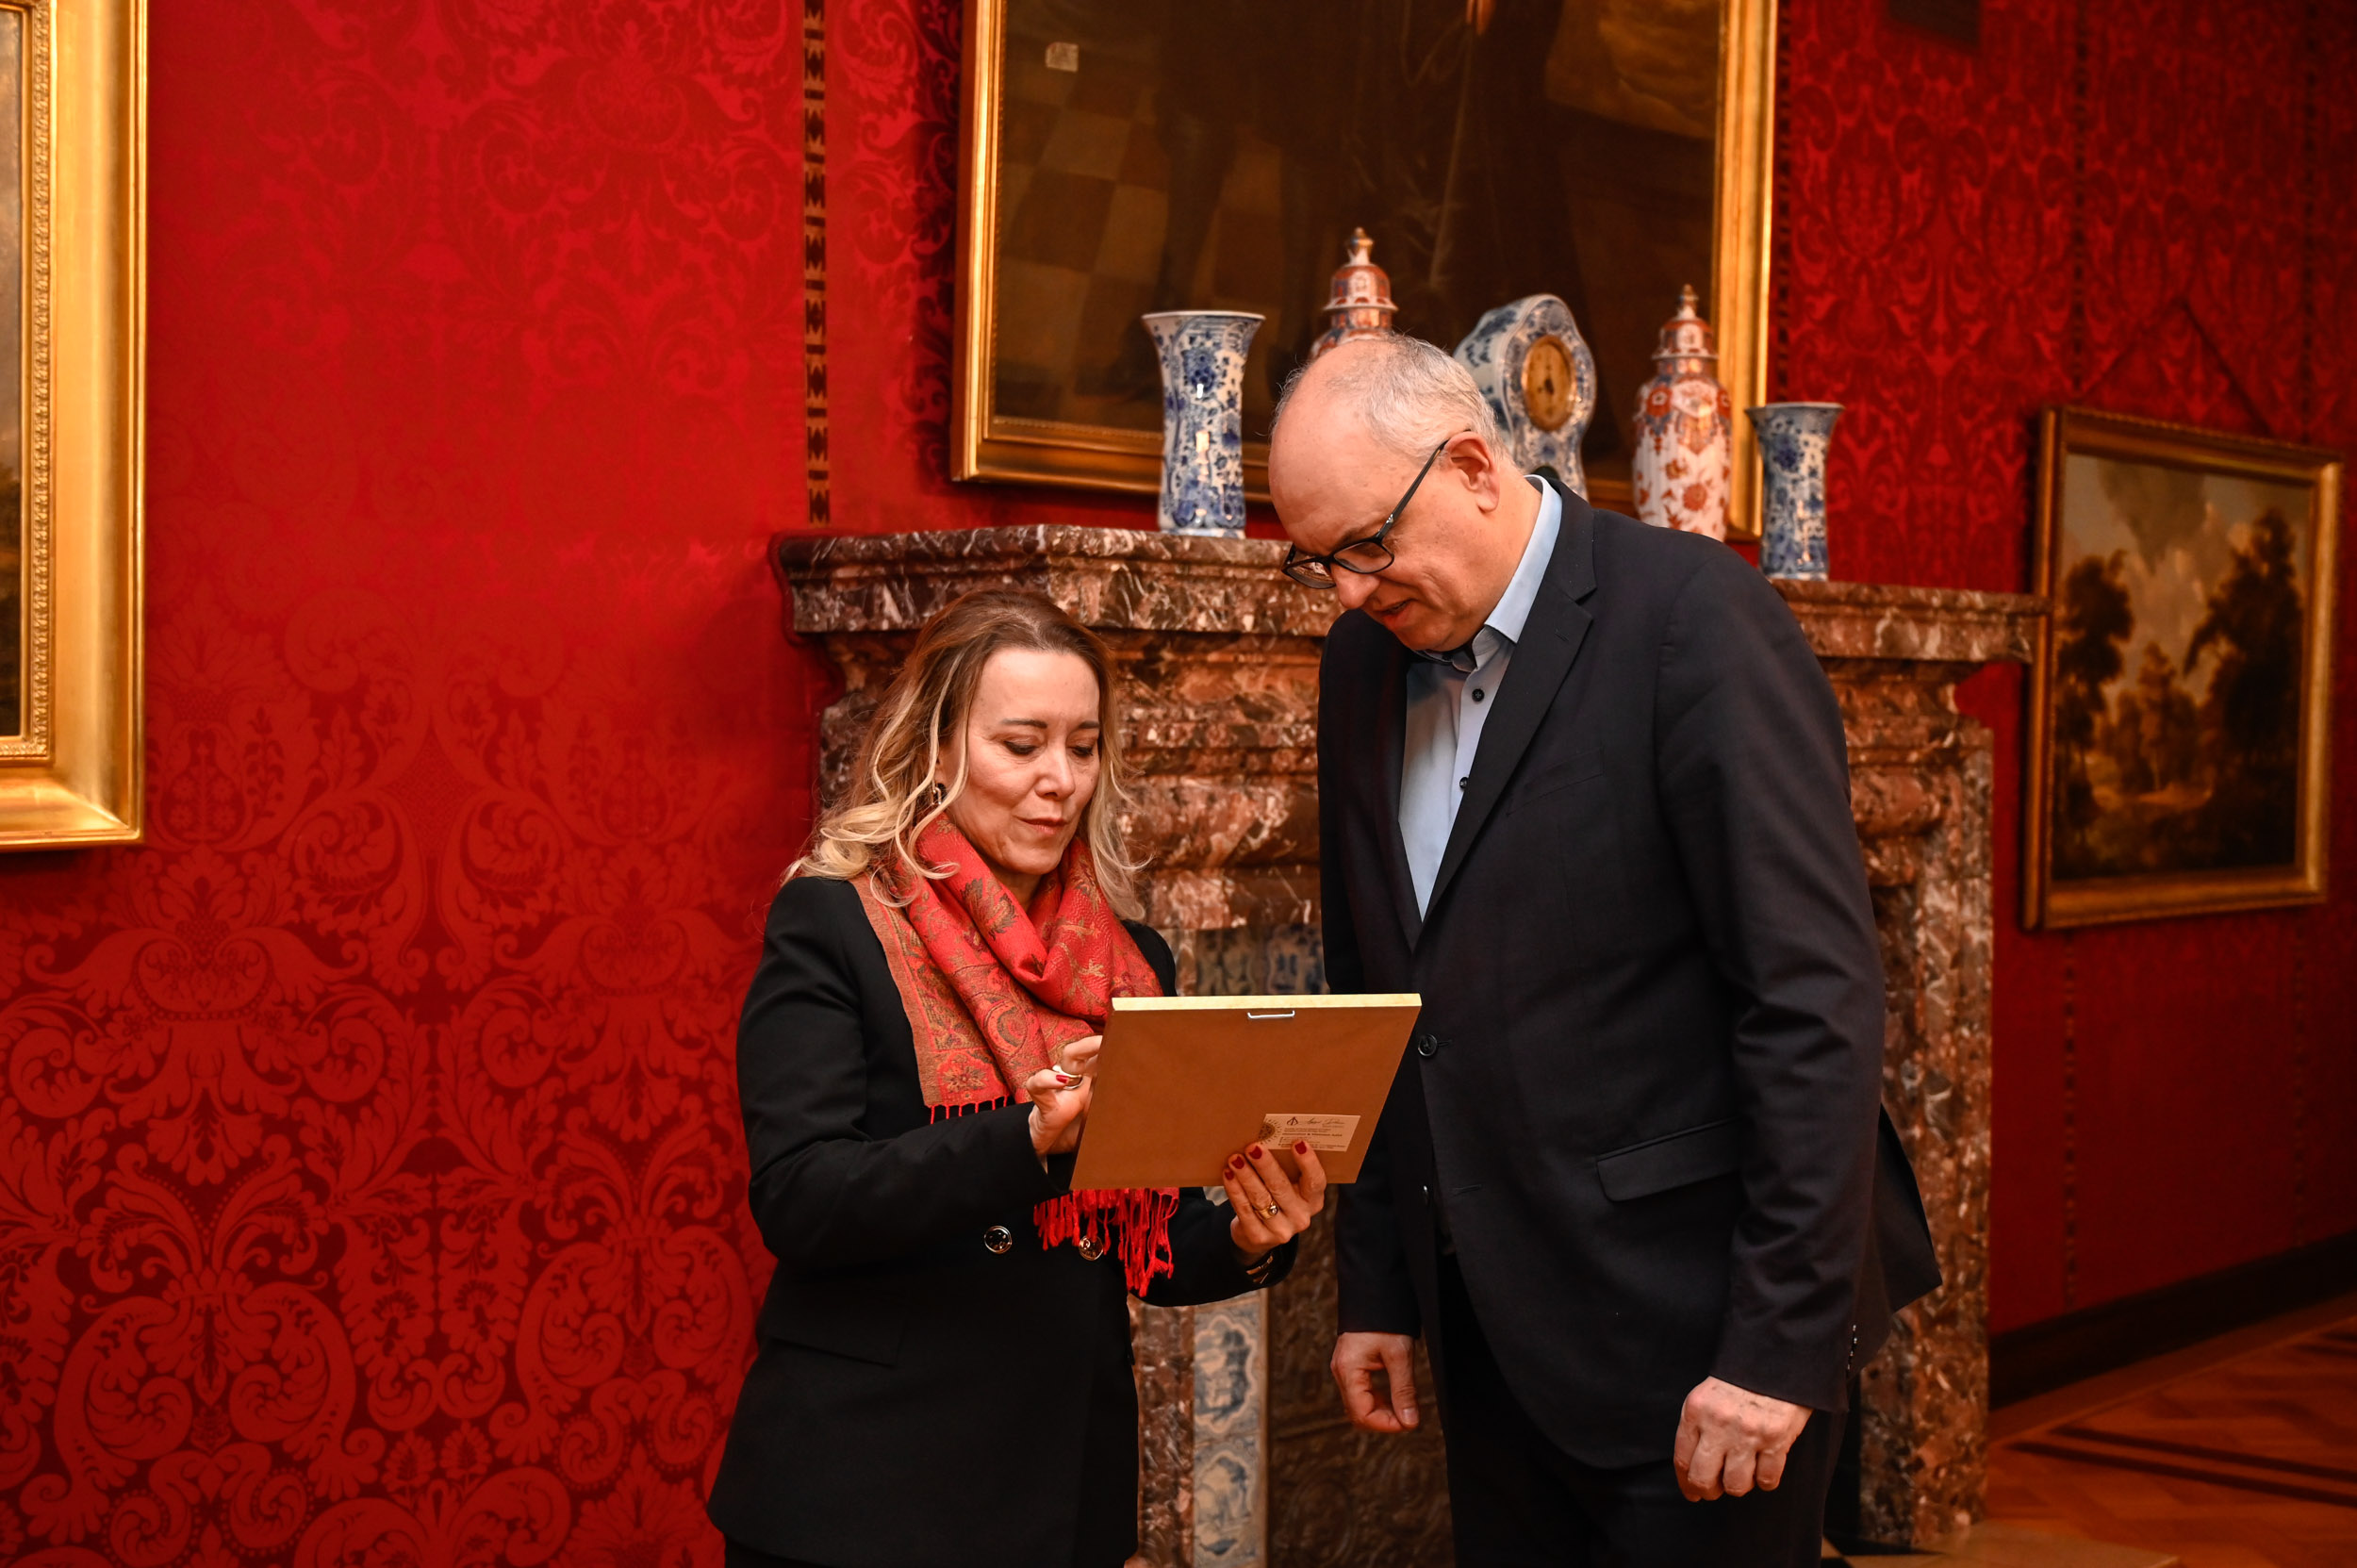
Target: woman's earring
x: 941, y: 795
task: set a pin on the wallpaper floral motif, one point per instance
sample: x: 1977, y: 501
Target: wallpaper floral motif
x: 371, y: 1184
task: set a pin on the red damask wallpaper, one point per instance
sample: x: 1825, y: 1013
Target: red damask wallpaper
x: 369, y: 1181
x: 370, y: 1185
x: 2132, y: 204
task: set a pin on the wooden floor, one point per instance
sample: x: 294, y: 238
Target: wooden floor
x: 2242, y: 1454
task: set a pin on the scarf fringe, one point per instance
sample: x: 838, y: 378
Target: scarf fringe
x: 1141, y: 1215
x: 947, y: 1112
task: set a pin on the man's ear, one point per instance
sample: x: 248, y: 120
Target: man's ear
x: 1479, y: 468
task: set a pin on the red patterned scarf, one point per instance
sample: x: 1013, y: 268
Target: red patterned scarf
x: 992, y: 990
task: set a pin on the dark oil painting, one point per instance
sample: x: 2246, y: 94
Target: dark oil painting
x: 2181, y: 635
x: 1158, y: 154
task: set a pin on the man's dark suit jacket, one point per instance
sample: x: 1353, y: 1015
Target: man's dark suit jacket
x: 1643, y: 1090
x: 918, y: 1398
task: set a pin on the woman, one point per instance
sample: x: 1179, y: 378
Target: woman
x: 943, y: 1368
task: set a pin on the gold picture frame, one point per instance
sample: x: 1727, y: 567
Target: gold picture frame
x: 71, y: 763
x: 2180, y: 746
x: 990, y: 442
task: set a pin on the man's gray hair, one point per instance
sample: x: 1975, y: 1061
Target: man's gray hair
x: 1410, y: 395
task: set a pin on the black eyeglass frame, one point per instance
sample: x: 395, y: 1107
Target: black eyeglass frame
x: 1296, y: 563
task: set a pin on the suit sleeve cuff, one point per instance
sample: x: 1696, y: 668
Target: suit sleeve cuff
x: 1029, y: 1180
x: 1219, y: 1275
x: 1816, y: 1376
x: 1364, y: 1312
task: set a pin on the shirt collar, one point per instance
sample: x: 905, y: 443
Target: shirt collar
x: 1507, y: 620
x: 1513, y: 607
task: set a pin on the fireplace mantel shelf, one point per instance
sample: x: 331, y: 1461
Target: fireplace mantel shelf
x: 1148, y: 582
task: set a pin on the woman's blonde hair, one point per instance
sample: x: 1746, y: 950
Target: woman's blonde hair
x: 922, y: 716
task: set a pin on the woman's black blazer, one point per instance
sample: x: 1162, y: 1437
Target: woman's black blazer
x: 918, y: 1397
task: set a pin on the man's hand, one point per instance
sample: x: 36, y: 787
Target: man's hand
x: 1729, y: 1439
x: 1356, y: 1359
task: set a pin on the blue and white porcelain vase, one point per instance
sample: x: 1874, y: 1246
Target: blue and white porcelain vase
x: 1203, y: 354
x: 1793, y: 440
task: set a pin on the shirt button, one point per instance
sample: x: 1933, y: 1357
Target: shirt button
x: 1463, y: 781
x: 999, y: 1238
x: 1477, y: 696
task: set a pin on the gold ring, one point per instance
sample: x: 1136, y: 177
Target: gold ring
x: 1272, y: 1210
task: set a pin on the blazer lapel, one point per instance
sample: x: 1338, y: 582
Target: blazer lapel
x: 1551, y: 640
x: 1391, y: 728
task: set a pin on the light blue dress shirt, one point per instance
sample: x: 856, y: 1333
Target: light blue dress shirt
x: 1449, y: 699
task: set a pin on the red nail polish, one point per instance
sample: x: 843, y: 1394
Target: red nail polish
x: 1255, y: 1152
x: 1235, y: 1161
x: 1301, y: 1149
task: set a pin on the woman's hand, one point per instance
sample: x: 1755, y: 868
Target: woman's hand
x: 1271, y: 1208
x: 1060, y: 1097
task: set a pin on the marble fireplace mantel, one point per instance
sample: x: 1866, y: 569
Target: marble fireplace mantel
x: 1246, y: 1458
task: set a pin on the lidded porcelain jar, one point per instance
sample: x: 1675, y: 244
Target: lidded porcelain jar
x: 1358, y: 302
x: 1685, y: 431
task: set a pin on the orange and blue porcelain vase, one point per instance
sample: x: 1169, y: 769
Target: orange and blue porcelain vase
x: 1359, y: 301
x: 1685, y: 431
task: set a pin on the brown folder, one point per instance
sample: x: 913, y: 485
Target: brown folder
x: 1182, y: 1083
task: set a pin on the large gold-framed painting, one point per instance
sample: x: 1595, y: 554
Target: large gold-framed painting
x: 2181, y: 706
x: 1127, y: 155
x: 71, y: 152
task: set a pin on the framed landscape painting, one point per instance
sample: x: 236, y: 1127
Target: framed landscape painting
x: 2181, y: 706
x: 1122, y: 156
x: 72, y: 77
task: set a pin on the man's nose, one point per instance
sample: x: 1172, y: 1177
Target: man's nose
x: 1353, y: 588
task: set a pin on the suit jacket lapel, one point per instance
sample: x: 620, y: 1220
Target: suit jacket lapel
x: 1391, y: 728
x: 1551, y: 640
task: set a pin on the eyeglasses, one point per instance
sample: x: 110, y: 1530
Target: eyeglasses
x: 1366, y: 556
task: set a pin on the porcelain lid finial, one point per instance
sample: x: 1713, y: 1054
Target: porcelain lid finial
x: 1685, y: 335
x: 1359, y: 304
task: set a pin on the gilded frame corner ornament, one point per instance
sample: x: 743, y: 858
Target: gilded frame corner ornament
x: 2050, y: 902
x: 71, y: 773
x: 985, y: 444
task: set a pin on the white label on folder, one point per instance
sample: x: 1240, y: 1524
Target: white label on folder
x: 1287, y: 1128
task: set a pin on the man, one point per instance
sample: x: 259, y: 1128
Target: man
x: 1583, y: 786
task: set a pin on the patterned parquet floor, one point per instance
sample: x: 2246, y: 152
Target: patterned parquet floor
x: 2249, y: 1460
